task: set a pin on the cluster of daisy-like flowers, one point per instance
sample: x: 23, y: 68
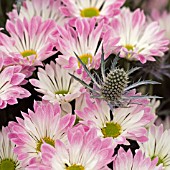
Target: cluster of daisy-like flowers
x: 88, y: 112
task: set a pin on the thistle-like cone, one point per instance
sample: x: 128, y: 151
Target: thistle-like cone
x: 114, y: 85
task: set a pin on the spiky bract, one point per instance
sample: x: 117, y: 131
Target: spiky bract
x: 113, y: 88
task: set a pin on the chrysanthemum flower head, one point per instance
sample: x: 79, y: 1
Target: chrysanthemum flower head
x: 16, y: 59
x: 91, y: 8
x: 153, y: 105
x: 125, y: 160
x: 46, y: 9
x: 84, y: 40
x: 28, y: 41
x: 56, y: 84
x: 139, y: 40
x: 165, y: 122
x: 10, y: 84
x: 121, y: 124
x: 158, y: 145
x: 85, y: 150
x: 8, y: 159
x: 163, y: 20
x: 45, y: 124
x: 151, y: 5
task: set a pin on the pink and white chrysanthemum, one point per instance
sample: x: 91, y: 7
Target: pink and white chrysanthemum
x: 85, y: 151
x: 163, y: 20
x: 91, y: 8
x: 139, y: 40
x: 151, y: 5
x: 46, y: 9
x: 125, y: 160
x: 158, y: 145
x: 44, y: 124
x: 10, y: 84
x: 8, y: 159
x: 165, y: 122
x: 153, y: 104
x: 56, y: 84
x: 121, y: 124
x: 13, y: 60
x: 84, y: 41
x: 28, y: 41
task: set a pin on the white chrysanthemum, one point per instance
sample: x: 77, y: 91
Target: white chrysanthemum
x: 84, y: 40
x: 158, y: 145
x: 121, y: 124
x: 8, y: 159
x: 85, y: 151
x: 91, y: 8
x: 139, y: 40
x: 126, y: 161
x: 163, y: 20
x: 28, y: 41
x: 56, y: 84
x: 154, y: 104
x: 44, y: 124
x: 165, y: 122
x: 11, y: 78
x: 46, y: 9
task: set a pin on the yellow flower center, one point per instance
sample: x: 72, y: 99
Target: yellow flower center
x: 85, y: 58
x: 27, y: 53
x: 129, y: 47
x: 90, y: 12
x: 75, y: 167
x: 7, y: 164
x: 111, y: 130
x: 160, y: 161
x: 45, y: 139
x: 63, y: 92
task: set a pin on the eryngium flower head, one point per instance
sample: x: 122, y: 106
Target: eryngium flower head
x: 113, y: 87
x: 114, y: 84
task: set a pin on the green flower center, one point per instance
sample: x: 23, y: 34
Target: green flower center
x: 75, y: 167
x: 62, y: 92
x: 7, y: 164
x: 160, y: 161
x: 27, y: 53
x: 111, y: 130
x: 129, y: 47
x: 45, y: 139
x: 85, y: 58
x: 90, y: 12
